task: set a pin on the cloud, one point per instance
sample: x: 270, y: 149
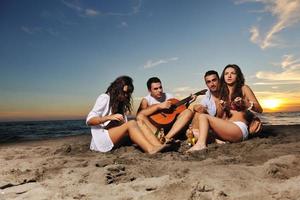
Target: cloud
x: 35, y: 30
x: 290, y: 96
x: 290, y: 73
x: 254, y: 35
x: 123, y: 25
x: 84, y: 12
x: 31, y: 30
x: 287, y: 14
x: 91, y: 12
x: 75, y: 5
x: 151, y: 64
x: 184, y: 89
x: 135, y: 9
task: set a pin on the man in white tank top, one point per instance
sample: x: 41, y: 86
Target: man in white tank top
x: 157, y: 100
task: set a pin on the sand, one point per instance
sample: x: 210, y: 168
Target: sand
x: 266, y: 167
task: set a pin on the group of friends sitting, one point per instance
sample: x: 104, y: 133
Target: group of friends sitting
x: 226, y: 113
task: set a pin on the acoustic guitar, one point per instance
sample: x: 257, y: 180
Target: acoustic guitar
x: 165, y: 118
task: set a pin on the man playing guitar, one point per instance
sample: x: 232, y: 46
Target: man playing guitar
x: 157, y: 101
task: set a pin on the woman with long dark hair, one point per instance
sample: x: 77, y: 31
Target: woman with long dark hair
x: 109, y: 123
x: 237, y: 101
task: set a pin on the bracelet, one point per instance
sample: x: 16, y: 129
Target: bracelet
x: 251, y: 105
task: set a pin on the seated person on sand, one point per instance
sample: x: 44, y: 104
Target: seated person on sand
x: 208, y: 103
x: 109, y: 124
x: 237, y: 102
x: 157, y: 100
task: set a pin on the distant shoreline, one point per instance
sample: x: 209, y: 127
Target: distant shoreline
x: 49, y: 120
x: 266, y: 129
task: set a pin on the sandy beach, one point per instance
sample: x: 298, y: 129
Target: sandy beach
x: 266, y: 167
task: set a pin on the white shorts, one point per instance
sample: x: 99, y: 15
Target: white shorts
x: 100, y: 140
x: 244, y: 129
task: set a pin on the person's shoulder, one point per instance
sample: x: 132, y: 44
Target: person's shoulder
x: 208, y: 93
x: 147, y: 98
x: 103, y: 96
x: 246, y: 88
x: 144, y: 99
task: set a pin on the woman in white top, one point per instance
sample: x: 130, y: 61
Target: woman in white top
x: 109, y: 124
x: 237, y: 101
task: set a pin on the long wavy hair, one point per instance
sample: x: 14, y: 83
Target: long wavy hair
x: 237, y: 91
x: 120, y: 101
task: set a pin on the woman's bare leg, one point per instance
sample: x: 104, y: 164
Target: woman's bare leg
x: 148, y: 129
x: 195, y: 121
x: 203, y: 133
x: 131, y: 128
x: 224, y: 129
x: 148, y: 133
x: 145, y: 120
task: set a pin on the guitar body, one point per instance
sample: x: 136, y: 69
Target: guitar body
x: 165, y: 118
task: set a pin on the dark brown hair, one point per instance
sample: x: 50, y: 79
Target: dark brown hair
x: 237, y: 91
x: 152, y: 80
x: 120, y: 101
x: 240, y: 81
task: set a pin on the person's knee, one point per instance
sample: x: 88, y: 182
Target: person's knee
x: 196, y: 115
x: 140, y: 123
x: 186, y: 114
x: 202, y: 116
x: 132, y: 123
x: 140, y: 117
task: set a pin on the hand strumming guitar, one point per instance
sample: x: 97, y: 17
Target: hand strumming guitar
x: 165, y: 105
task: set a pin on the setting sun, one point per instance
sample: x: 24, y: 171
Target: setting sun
x: 271, y: 103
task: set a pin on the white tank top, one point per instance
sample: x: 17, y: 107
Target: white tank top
x: 151, y: 100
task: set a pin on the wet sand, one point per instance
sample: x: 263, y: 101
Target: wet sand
x: 266, y: 167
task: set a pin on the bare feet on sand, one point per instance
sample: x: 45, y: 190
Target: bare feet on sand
x: 196, y: 148
x: 158, y: 149
x: 218, y: 141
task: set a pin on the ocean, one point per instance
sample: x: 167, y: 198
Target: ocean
x: 39, y: 130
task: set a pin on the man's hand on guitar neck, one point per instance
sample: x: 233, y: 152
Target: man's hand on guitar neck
x: 193, y: 97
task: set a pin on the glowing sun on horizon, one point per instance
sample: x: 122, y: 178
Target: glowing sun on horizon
x: 272, y: 104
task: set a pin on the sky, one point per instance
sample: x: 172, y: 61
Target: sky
x: 57, y: 56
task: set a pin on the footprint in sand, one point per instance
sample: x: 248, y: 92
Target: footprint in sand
x: 206, y: 192
x: 117, y: 174
x: 283, y: 167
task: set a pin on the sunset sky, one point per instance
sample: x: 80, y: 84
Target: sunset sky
x: 57, y: 56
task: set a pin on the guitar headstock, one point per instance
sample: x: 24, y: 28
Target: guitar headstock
x: 202, y: 92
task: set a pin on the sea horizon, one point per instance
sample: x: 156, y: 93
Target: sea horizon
x: 129, y: 116
x: 15, y: 131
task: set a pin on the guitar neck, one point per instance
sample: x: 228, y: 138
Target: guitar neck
x: 187, y: 99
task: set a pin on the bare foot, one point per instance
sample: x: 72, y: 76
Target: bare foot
x: 220, y: 141
x: 157, y: 149
x: 169, y: 140
x: 196, y: 148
